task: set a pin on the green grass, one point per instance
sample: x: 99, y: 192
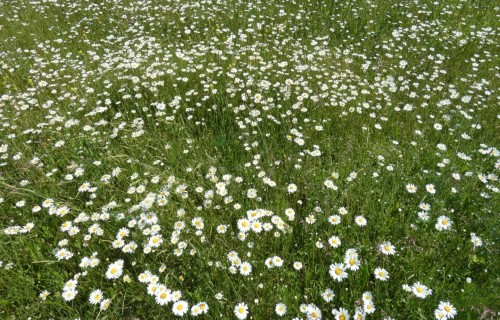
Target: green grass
x: 122, y: 83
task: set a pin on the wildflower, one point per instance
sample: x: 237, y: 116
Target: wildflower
x: 180, y: 308
x: 104, y: 304
x: 337, y: 272
x: 387, y: 248
x: 241, y: 310
x: 334, y: 220
x: 360, y: 221
x: 476, y: 241
x: 341, y: 314
x: 95, y: 297
x: 280, y: 309
x: 420, y: 290
x: 368, y: 307
x: 411, y: 188
x: 292, y: 188
x: 63, y: 254
x: 297, y: 265
x: 115, y: 270
x: 43, y: 295
x: 328, y: 295
x: 334, y: 241
x: 69, y: 295
x: 430, y: 188
x: 381, y: 274
x: 252, y: 193
x: 245, y: 268
x: 443, y: 223
x: 447, y: 309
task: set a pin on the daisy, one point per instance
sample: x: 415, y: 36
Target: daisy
x: 423, y: 215
x: 292, y: 188
x: 152, y: 288
x: 424, y: 206
x: 256, y: 226
x: 105, y: 304
x: 430, y: 188
x: 328, y: 295
x: 63, y: 254
x: 387, y: 248
x: 69, y: 295
x: 476, y: 241
x: 277, y: 261
x: 368, y: 307
x: 334, y: 220
x: 367, y: 297
x: 70, y: 285
x: 381, y: 274
x: 334, y: 241
x: 95, y: 297
x: 176, y: 295
x: 203, y: 307
x: 360, y: 314
x: 440, y: 315
x: 337, y: 272
x: 297, y: 265
x: 144, y: 277
x: 44, y: 294
x: 341, y: 314
x: 241, y: 310
x: 351, y: 253
x: 411, y: 188
x: 195, y: 310
x: 245, y: 268
x: 311, y: 219
x: 352, y: 262
x: 443, y: 223
x: 448, y: 309
x: 360, y: 221
x: 252, y: 193
x: 313, y: 312
x: 420, y: 290
x: 244, y: 225
x: 180, y: 308
x: 115, y: 270
x: 280, y: 309
x: 163, y: 297
x: 290, y: 213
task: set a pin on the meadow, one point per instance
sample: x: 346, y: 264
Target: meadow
x: 249, y: 159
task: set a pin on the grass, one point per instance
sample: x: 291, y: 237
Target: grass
x: 181, y: 94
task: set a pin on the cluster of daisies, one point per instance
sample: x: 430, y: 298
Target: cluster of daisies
x: 164, y: 296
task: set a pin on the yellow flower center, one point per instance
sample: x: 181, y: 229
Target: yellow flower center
x: 338, y: 271
x: 241, y: 310
x: 387, y: 248
x: 163, y: 295
x: 180, y: 307
x: 419, y: 290
x: 447, y: 308
x: 445, y: 222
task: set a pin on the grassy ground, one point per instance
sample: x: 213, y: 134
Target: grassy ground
x: 172, y: 125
